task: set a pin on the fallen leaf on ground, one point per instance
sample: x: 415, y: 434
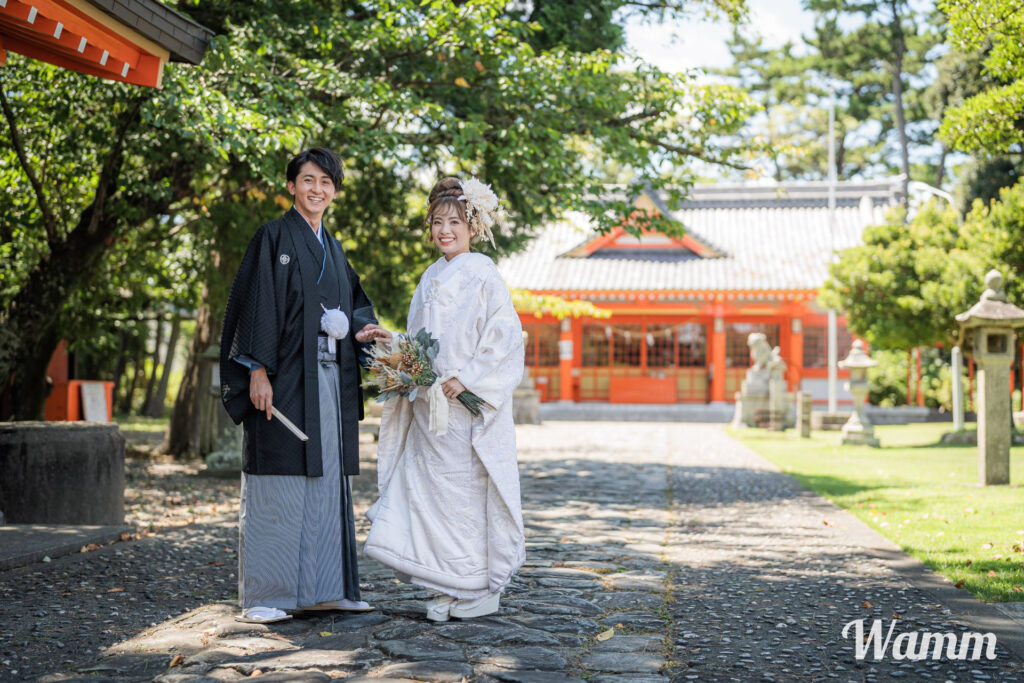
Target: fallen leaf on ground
x: 866, y: 604
x: 992, y: 574
x: 605, y: 635
x: 324, y: 634
x: 960, y: 583
x: 89, y: 548
x: 178, y: 660
x: 827, y: 523
x: 116, y: 590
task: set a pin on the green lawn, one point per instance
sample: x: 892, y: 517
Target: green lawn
x: 921, y: 494
x: 138, y: 423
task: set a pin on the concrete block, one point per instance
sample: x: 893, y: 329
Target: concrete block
x: 61, y: 473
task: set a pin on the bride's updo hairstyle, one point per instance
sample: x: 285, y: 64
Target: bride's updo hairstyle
x: 474, y: 202
x: 443, y: 197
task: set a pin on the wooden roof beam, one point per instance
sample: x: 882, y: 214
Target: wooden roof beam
x: 68, y: 27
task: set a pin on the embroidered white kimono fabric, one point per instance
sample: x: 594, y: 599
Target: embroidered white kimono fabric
x: 449, y: 516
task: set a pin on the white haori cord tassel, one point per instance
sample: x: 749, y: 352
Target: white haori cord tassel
x: 335, y: 323
x: 439, y: 404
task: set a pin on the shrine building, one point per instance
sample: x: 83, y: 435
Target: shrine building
x: 752, y: 259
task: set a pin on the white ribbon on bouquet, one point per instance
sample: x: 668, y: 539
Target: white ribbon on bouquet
x: 439, y: 407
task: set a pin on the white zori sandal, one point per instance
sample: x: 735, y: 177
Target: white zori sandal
x: 262, y: 615
x: 437, y: 607
x: 467, y: 609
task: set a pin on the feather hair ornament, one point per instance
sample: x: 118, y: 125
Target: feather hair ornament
x: 482, y: 204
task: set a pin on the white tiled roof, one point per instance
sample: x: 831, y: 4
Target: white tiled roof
x: 772, y: 238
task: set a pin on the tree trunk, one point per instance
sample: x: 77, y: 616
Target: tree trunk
x: 138, y: 368
x: 840, y: 153
x: 182, y: 438
x: 940, y: 171
x: 151, y: 383
x: 155, y: 407
x: 899, y: 45
x: 122, y: 342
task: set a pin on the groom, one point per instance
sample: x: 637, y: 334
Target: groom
x: 287, y: 355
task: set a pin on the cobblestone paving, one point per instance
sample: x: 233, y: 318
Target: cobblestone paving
x: 656, y: 552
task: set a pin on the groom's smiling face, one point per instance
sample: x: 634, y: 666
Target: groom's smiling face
x: 313, y: 190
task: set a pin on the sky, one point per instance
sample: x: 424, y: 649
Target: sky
x: 685, y: 44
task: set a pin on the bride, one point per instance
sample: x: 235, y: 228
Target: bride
x: 449, y: 516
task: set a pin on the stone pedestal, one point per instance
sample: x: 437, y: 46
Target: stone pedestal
x: 857, y: 433
x: 958, y: 390
x: 824, y: 421
x: 993, y: 423
x: 526, y: 398
x: 61, y: 473
x: 803, y: 414
x: 526, y: 402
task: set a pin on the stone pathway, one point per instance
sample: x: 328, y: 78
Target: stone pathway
x: 656, y: 552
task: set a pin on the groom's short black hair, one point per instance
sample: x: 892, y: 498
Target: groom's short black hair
x: 323, y: 158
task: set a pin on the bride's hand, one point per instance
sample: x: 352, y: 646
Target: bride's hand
x: 452, y: 388
x: 372, y: 333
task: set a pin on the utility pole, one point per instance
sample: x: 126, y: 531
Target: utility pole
x: 833, y: 341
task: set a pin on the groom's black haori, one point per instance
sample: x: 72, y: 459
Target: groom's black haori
x: 273, y: 316
x: 287, y: 277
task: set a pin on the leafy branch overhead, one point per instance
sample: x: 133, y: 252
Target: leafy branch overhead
x: 991, y: 121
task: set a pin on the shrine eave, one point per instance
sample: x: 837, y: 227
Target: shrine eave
x: 120, y: 40
x: 672, y: 296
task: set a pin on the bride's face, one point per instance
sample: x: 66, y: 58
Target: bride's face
x: 450, y: 233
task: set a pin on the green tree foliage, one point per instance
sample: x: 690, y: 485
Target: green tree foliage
x: 105, y: 186
x: 904, y: 286
x: 873, y: 54
x: 990, y: 121
x: 887, y: 381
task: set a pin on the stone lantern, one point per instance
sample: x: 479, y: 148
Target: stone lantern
x: 220, y: 439
x: 858, y: 430
x: 987, y: 333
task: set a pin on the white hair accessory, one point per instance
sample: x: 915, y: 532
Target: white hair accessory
x: 481, y: 203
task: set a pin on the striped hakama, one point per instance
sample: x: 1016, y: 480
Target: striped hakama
x: 297, y: 539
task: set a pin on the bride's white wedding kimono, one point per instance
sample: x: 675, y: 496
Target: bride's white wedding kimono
x: 449, y: 516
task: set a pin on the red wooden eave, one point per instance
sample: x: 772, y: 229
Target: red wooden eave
x: 57, y: 32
